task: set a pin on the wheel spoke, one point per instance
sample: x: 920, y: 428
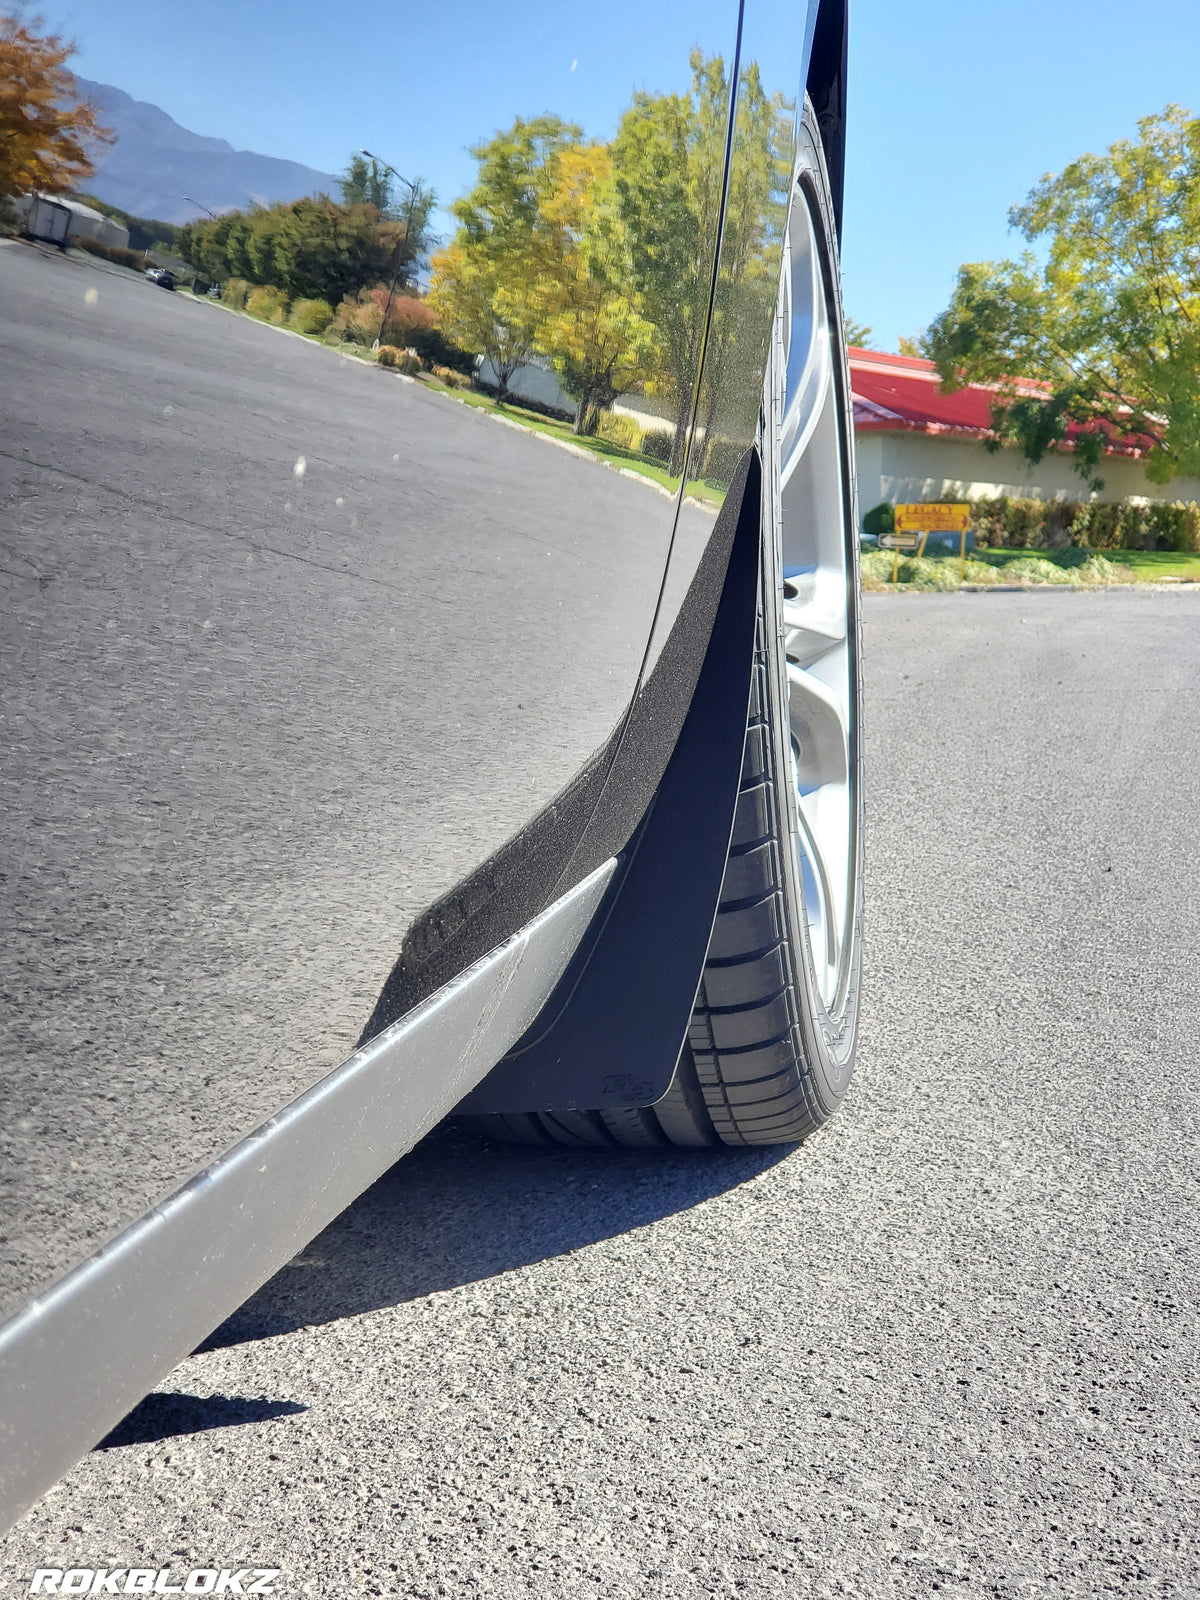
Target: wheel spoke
x: 814, y: 606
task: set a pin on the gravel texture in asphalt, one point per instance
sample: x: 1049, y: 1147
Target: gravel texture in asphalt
x: 947, y: 1347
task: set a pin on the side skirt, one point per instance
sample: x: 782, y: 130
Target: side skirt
x: 81, y: 1354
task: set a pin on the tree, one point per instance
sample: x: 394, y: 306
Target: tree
x: 668, y: 156
x: 312, y: 249
x: 748, y: 269
x: 366, y: 182
x: 1109, y: 323
x: 480, y: 309
x: 487, y: 287
x: 590, y: 322
x: 46, y: 132
x: 858, y: 334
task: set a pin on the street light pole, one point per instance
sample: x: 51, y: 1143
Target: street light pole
x: 212, y: 214
x: 412, y: 188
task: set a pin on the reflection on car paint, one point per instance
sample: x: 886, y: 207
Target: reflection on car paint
x: 316, y: 666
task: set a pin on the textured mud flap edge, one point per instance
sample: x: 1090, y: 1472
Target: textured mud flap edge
x: 611, y: 1033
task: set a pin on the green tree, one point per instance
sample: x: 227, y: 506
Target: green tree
x: 858, y: 334
x: 487, y: 285
x: 483, y: 310
x: 748, y: 270
x: 311, y: 249
x: 1109, y: 323
x: 590, y: 322
x: 668, y: 157
x: 366, y: 181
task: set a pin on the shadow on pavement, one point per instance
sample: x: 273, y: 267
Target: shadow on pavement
x: 164, y: 1416
x: 458, y: 1209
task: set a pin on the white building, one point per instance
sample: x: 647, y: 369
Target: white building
x: 913, y: 442
x: 85, y: 223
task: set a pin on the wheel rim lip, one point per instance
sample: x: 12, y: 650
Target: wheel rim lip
x: 818, y: 602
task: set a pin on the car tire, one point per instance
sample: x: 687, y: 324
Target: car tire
x: 771, y: 1041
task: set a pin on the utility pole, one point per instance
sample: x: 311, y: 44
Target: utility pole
x: 413, y: 190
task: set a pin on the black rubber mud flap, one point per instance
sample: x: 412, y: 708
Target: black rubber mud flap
x: 611, y: 1033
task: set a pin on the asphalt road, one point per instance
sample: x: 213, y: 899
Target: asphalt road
x: 948, y: 1347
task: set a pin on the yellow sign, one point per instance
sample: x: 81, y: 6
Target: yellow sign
x: 931, y: 517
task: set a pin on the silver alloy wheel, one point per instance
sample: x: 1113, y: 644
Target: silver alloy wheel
x: 811, y: 506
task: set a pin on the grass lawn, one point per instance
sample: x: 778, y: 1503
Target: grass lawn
x: 1072, y: 565
x: 1148, y: 566
x: 614, y: 454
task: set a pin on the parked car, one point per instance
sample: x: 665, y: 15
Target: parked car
x: 374, y: 760
x: 162, y: 276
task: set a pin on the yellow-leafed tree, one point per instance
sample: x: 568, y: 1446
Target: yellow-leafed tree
x: 591, y: 323
x: 484, y: 305
x: 47, y: 133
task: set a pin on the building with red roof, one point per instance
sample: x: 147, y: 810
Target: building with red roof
x: 915, y: 442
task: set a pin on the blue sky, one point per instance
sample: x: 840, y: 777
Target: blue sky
x: 957, y: 107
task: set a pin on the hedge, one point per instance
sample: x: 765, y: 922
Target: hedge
x: 618, y: 430
x: 268, y: 305
x: 1017, y: 523
x: 110, y: 252
x: 310, y: 316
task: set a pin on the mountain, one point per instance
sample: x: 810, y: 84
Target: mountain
x: 156, y: 166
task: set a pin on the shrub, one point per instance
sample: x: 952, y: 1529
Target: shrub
x: 721, y: 459
x: 452, y: 378
x: 407, y: 317
x: 339, y: 328
x: 111, y: 252
x: 656, y: 443
x: 389, y: 355
x: 1023, y: 523
x: 622, y: 431
x: 364, y: 322
x: 1020, y: 522
x: 1103, y: 526
x: 1058, y: 521
x: 436, y: 350
x: 1173, y: 525
x: 267, y: 304
x: 879, y: 519
x: 234, y: 292
x: 310, y: 316
x: 1136, y: 528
